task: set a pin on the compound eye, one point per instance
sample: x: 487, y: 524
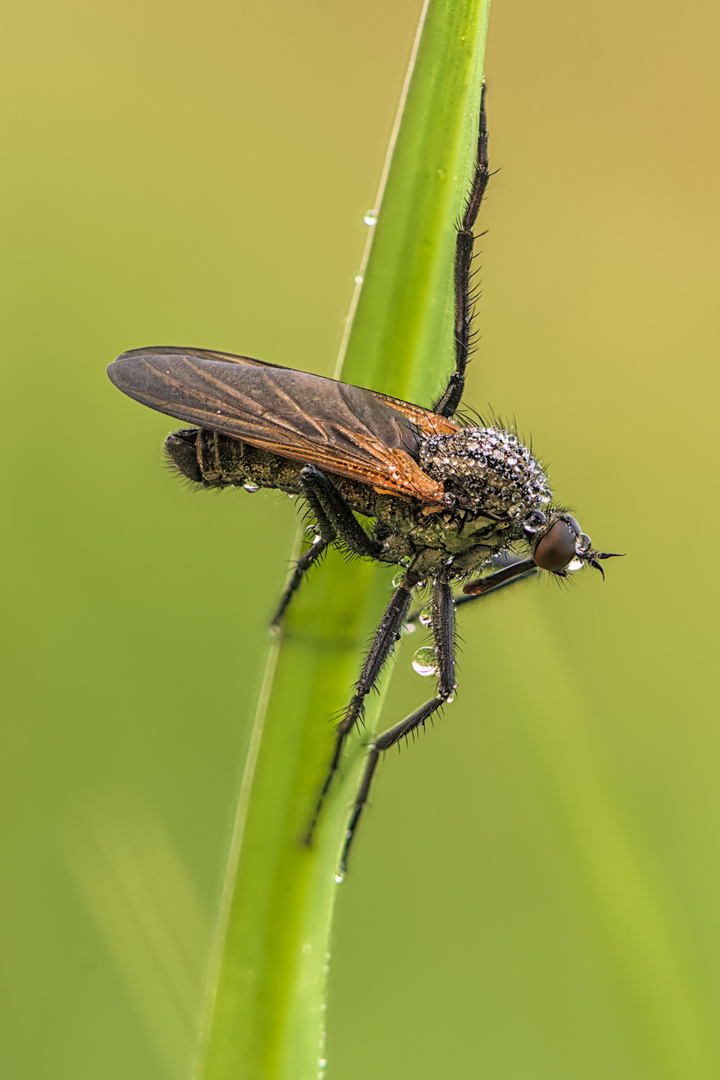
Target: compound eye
x: 556, y: 550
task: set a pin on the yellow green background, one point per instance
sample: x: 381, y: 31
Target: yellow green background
x: 535, y: 892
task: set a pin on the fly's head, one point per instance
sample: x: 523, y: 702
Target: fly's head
x: 488, y: 470
x: 559, y: 545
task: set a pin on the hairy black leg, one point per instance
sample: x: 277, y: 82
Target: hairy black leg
x: 306, y: 560
x: 514, y: 572
x: 491, y: 583
x: 387, y: 633
x: 495, y: 586
x: 334, y: 517
x: 443, y: 626
x: 464, y: 244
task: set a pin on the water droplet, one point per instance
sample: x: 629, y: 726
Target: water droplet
x: 322, y: 1063
x: 534, y: 521
x: 425, y: 617
x: 370, y: 218
x: 409, y: 628
x: 339, y: 878
x: 425, y: 661
x: 251, y: 488
x: 306, y: 949
x: 358, y: 279
x: 398, y: 579
x: 449, y: 700
x: 576, y: 564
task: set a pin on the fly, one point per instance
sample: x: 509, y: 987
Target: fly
x: 449, y: 502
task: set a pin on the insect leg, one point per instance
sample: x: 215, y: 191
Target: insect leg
x: 512, y: 572
x: 460, y: 601
x: 334, y: 517
x: 387, y: 633
x: 306, y: 560
x: 464, y: 244
x: 443, y: 634
x: 492, y: 583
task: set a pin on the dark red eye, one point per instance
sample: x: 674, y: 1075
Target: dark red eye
x: 557, y: 547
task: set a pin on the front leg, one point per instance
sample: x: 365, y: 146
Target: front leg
x: 502, y: 578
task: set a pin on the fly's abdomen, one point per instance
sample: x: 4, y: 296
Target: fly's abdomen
x: 214, y: 460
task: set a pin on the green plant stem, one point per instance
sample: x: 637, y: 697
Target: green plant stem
x: 267, y: 985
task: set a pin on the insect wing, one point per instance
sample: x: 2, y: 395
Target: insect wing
x: 344, y: 429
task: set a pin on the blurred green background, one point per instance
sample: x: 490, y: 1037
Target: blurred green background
x: 536, y: 890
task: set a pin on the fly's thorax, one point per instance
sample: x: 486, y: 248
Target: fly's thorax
x: 487, y: 469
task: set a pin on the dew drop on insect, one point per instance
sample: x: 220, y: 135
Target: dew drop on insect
x: 409, y: 628
x: 425, y: 661
x: 425, y: 617
x: 370, y: 218
x: 576, y: 564
x: 339, y: 878
x: 358, y: 279
x: 398, y: 579
x: 251, y: 488
x: 449, y: 700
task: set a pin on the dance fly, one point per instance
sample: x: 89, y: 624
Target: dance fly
x: 450, y: 502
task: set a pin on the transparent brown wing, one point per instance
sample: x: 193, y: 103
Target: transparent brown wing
x: 338, y: 427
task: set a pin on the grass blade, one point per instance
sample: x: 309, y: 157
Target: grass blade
x: 266, y: 997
